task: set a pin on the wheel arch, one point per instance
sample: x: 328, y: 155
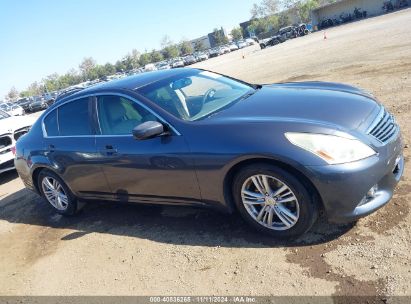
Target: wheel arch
x: 36, y: 173
x: 233, y: 171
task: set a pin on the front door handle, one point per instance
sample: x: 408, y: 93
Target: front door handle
x: 51, y: 148
x: 109, y: 150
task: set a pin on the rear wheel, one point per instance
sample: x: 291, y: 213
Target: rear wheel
x: 274, y: 201
x: 57, y: 194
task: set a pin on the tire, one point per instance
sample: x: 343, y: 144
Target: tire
x: 68, y: 206
x: 299, y: 212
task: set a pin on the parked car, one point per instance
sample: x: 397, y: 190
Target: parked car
x: 190, y: 59
x: 224, y: 50
x: 242, y: 44
x: 233, y: 47
x: 11, y: 129
x: 39, y: 103
x: 277, y: 39
x: 177, y: 63
x: 288, y: 32
x: 24, y: 103
x: 250, y: 41
x: 215, y: 52
x: 201, y: 56
x: 163, y: 66
x: 278, y: 154
x: 150, y: 67
x: 12, y: 109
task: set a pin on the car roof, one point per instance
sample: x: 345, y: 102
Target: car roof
x: 129, y: 83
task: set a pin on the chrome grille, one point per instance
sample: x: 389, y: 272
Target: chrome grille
x: 384, y: 127
x: 5, y: 141
x: 20, y: 132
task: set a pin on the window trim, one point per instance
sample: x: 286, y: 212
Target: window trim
x: 92, y: 105
x: 43, y: 127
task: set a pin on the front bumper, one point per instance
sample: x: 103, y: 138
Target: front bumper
x: 343, y: 188
x: 6, y: 162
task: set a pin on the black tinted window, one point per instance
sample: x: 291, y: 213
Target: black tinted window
x: 73, y: 118
x: 50, y: 123
x: 119, y: 115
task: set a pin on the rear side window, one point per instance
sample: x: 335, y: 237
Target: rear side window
x: 73, y: 118
x: 50, y: 124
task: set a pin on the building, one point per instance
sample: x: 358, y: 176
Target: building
x: 334, y: 10
x: 212, y: 38
x: 204, y: 40
x: 209, y: 41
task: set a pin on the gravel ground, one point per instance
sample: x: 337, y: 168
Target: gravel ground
x: 151, y: 250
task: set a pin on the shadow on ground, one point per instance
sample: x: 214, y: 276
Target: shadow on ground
x: 174, y: 225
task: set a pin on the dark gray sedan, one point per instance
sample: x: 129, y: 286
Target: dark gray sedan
x: 277, y: 154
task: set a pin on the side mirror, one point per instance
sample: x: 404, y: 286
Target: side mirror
x: 148, y: 129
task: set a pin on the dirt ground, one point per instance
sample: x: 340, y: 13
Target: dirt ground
x: 151, y: 250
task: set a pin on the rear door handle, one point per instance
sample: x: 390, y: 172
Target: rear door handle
x: 109, y: 150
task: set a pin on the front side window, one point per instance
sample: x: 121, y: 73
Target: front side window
x: 119, y: 116
x: 195, y: 95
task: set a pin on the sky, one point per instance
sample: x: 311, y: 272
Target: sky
x: 42, y: 37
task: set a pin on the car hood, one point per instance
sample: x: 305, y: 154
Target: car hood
x: 318, y: 102
x: 13, y: 123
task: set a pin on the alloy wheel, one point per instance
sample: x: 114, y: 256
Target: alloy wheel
x: 270, y: 202
x: 54, y: 193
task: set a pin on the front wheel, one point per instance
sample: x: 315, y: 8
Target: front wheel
x: 57, y: 194
x: 274, y: 201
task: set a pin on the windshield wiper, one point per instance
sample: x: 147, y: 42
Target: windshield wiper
x: 245, y: 96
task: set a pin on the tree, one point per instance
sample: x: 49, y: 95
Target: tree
x: 144, y: 59
x: 186, y: 47
x: 237, y: 33
x: 13, y: 94
x: 283, y: 19
x: 265, y: 8
x: 86, y: 66
x: 258, y: 26
x: 220, y: 37
x: 156, y: 56
x: 135, y: 56
x: 109, y: 69
x: 120, y: 66
x: 199, y: 46
x: 166, y: 42
x: 171, y: 52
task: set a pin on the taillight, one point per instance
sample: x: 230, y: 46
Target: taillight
x: 13, y: 150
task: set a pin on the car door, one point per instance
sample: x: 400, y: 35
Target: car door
x: 71, y: 149
x: 157, y: 170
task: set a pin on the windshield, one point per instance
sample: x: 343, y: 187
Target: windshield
x: 195, y: 95
x: 3, y: 115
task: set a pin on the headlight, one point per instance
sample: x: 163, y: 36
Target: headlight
x: 333, y: 149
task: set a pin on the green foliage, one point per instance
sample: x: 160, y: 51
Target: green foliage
x: 220, y: 37
x: 13, y: 94
x: 156, y: 56
x: 266, y: 8
x: 237, y: 33
x: 171, y: 52
x: 186, y: 48
x: 199, y: 46
x: 144, y: 59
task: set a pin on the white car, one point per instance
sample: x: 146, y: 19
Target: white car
x: 11, y: 129
x: 233, y: 47
x: 178, y: 63
x: 242, y: 44
x: 250, y: 41
x: 12, y: 109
